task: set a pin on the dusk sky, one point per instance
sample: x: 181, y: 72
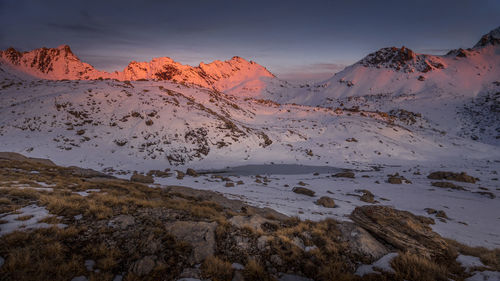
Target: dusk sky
x: 293, y: 39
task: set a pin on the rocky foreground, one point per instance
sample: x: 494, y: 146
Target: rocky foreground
x: 68, y: 223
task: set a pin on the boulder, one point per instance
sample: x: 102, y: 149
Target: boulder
x: 142, y: 178
x: 143, y: 266
x: 191, y: 172
x: 400, y: 229
x: 361, y: 243
x: 304, y: 191
x: 446, y: 184
x: 344, y: 175
x: 229, y: 184
x: 180, y: 175
x: 462, y: 177
x: 200, y: 235
x: 367, y: 196
x: 326, y: 202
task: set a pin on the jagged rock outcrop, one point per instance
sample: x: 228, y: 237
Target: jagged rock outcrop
x: 491, y: 38
x: 400, y: 229
x: 402, y: 59
x: 61, y: 63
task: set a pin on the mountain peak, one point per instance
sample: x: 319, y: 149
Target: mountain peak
x: 491, y: 38
x: 401, y: 59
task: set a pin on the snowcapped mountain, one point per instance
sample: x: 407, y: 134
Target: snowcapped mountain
x: 417, y: 107
x: 235, y: 75
x: 449, y: 90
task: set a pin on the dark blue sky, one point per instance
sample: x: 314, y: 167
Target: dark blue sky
x: 291, y: 38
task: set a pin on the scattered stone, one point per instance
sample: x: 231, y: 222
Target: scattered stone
x: 191, y: 172
x: 200, y: 235
x: 143, y: 266
x: 401, y: 229
x: 326, y: 202
x: 304, y: 191
x: 447, y: 184
x: 141, y: 178
x: 301, y: 183
x: 441, y: 214
x: 229, y: 184
x: 180, y: 175
x: 240, y: 182
x: 80, y: 132
x: 397, y: 179
x: 121, y: 221
x: 394, y: 180
x: 344, y: 175
x: 367, y: 196
x: 430, y: 211
x: 159, y: 174
x: 462, y: 177
x: 486, y: 193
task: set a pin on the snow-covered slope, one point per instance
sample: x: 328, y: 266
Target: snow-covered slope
x: 236, y: 75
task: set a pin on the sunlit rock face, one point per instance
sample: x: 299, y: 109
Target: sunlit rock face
x: 61, y: 63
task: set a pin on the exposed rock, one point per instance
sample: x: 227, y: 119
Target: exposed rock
x: 304, y: 191
x: 12, y: 156
x: 121, y: 221
x: 344, y: 175
x: 446, y: 184
x: 229, y: 184
x: 159, y: 174
x: 262, y: 242
x: 441, y: 214
x: 143, y: 266
x: 367, y: 196
x: 255, y: 222
x: 191, y: 172
x: 142, y: 178
x: 86, y: 173
x: 397, y: 179
x: 486, y: 193
x: 326, y: 202
x: 180, y: 175
x: 200, y: 235
x: 462, y: 177
x: 240, y: 182
x: 234, y: 205
x: 400, y: 229
x: 430, y: 211
x: 361, y: 243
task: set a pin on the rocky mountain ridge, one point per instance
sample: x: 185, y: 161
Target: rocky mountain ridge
x: 62, y: 64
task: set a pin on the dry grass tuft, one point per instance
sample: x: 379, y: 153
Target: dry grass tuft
x: 255, y: 272
x: 409, y: 266
x: 217, y: 269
